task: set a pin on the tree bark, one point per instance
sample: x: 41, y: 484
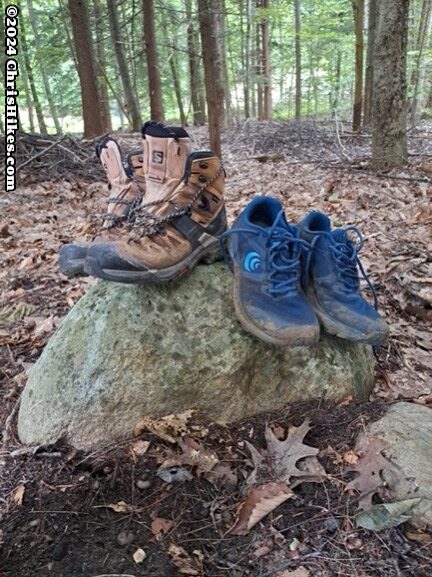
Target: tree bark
x: 93, y: 125
x: 389, y: 116
x: 196, y: 89
x: 222, y: 48
x: 358, y: 7
x: 52, y: 107
x: 177, y: 89
x: 207, y: 10
x: 156, y: 103
x: 267, y: 103
x: 297, y: 45
x: 123, y: 68
x: 247, y: 60
x: 367, y: 115
x: 417, y: 72
x: 100, y: 52
x: 28, y: 98
x: 27, y: 65
x: 259, y: 71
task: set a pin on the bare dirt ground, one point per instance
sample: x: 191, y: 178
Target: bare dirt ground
x: 56, y: 517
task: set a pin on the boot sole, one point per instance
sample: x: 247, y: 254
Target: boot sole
x: 208, y: 252
x: 343, y: 331
x: 264, y: 336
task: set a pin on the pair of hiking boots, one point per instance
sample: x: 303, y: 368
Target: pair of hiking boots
x: 165, y: 211
x: 289, y: 279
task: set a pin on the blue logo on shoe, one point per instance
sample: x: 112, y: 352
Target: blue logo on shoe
x: 252, y: 261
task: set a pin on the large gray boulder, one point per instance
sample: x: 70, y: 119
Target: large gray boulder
x: 124, y: 352
x: 406, y: 430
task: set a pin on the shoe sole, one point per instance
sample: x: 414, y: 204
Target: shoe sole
x: 208, y: 251
x: 343, y: 331
x: 264, y: 336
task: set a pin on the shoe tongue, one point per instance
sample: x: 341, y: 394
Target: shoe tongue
x: 281, y: 222
x: 340, y: 235
x: 153, y: 128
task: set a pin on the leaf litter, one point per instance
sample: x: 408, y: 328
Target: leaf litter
x: 304, y: 165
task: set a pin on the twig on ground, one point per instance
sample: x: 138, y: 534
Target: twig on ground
x: 8, y: 424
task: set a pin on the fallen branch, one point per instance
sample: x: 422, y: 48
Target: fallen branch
x: 39, y: 154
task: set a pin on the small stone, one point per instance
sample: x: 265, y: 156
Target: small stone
x: 125, y: 537
x: 331, y: 524
x: 143, y: 484
x: 60, y: 551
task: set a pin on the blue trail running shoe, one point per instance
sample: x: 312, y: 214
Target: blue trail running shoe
x: 332, y: 283
x: 266, y: 253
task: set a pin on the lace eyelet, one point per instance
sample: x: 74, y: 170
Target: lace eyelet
x: 202, y: 178
x: 203, y: 165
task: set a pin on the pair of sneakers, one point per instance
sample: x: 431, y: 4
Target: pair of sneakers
x: 289, y: 279
x: 165, y: 211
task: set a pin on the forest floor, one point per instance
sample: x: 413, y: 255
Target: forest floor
x: 69, y: 514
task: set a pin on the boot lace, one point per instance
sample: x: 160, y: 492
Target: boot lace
x: 348, y: 262
x: 149, y: 224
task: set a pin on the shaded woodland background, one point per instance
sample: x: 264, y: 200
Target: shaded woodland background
x: 94, y: 66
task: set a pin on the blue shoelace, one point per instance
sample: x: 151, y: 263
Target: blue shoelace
x: 347, y: 261
x: 284, y: 253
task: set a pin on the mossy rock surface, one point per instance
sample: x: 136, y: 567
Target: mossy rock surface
x: 124, y: 352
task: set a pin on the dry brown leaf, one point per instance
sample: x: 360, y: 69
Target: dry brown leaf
x: 369, y: 467
x: 259, y: 502
x: 18, y: 495
x: 139, y: 448
x: 350, y: 457
x: 139, y: 556
x: 184, y: 562
x: 160, y: 527
x: 167, y: 428
x: 278, y: 431
x: 287, y: 453
x: 120, y: 507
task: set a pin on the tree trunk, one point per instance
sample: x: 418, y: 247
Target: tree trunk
x: 247, y: 67
x: 389, y: 117
x: 220, y: 18
x: 43, y: 72
x: 358, y: 7
x: 28, y: 98
x: 258, y: 68
x: 29, y: 70
x: 156, y: 103
x: 367, y: 115
x: 207, y: 10
x: 267, y: 108
x: 93, y: 125
x: 100, y: 52
x: 336, y: 93
x: 417, y: 73
x: 197, y: 99
x: 131, y: 103
x: 177, y: 89
x: 298, y: 87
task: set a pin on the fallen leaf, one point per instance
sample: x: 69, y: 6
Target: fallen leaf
x: 18, y: 495
x: 299, y: 572
x: 139, y: 448
x: 160, y: 527
x: 259, y: 502
x: 184, y: 562
x: 278, y: 431
x: 174, y: 474
x: 350, y: 457
x: 386, y: 515
x: 120, y: 507
x: 167, y: 428
x: 369, y: 467
x: 287, y: 453
x: 139, y: 556
x: 12, y: 313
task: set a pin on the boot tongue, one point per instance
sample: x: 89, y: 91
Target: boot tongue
x: 340, y: 235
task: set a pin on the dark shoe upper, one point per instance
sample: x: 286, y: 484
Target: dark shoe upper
x: 266, y: 253
x: 332, y: 282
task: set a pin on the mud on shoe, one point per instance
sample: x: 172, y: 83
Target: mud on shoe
x: 126, y: 187
x: 169, y: 236
x: 332, y: 282
x: 266, y: 252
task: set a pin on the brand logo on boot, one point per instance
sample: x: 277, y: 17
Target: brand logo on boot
x: 157, y: 157
x: 252, y: 261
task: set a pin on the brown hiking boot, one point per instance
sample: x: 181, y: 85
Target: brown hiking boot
x: 153, y: 171
x: 126, y: 189
x: 169, y: 236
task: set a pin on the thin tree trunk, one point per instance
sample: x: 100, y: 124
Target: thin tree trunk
x: 267, y: 104
x: 367, y: 116
x: 123, y: 68
x: 196, y: 92
x: 220, y: 18
x: 52, y: 107
x: 389, y: 117
x: 336, y: 94
x: 207, y: 10
x: 65, y: 21
x: 28, y: 98
x: 100, y: 53
x: 358, y: 7
x: 298, y: 87
x: 177, y: 89
x: 416, y: 75
x: 247, y: 67
x: 93, y: 125
x: 156, y: 103
x: 27, y: 65
x: 258, y: 64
